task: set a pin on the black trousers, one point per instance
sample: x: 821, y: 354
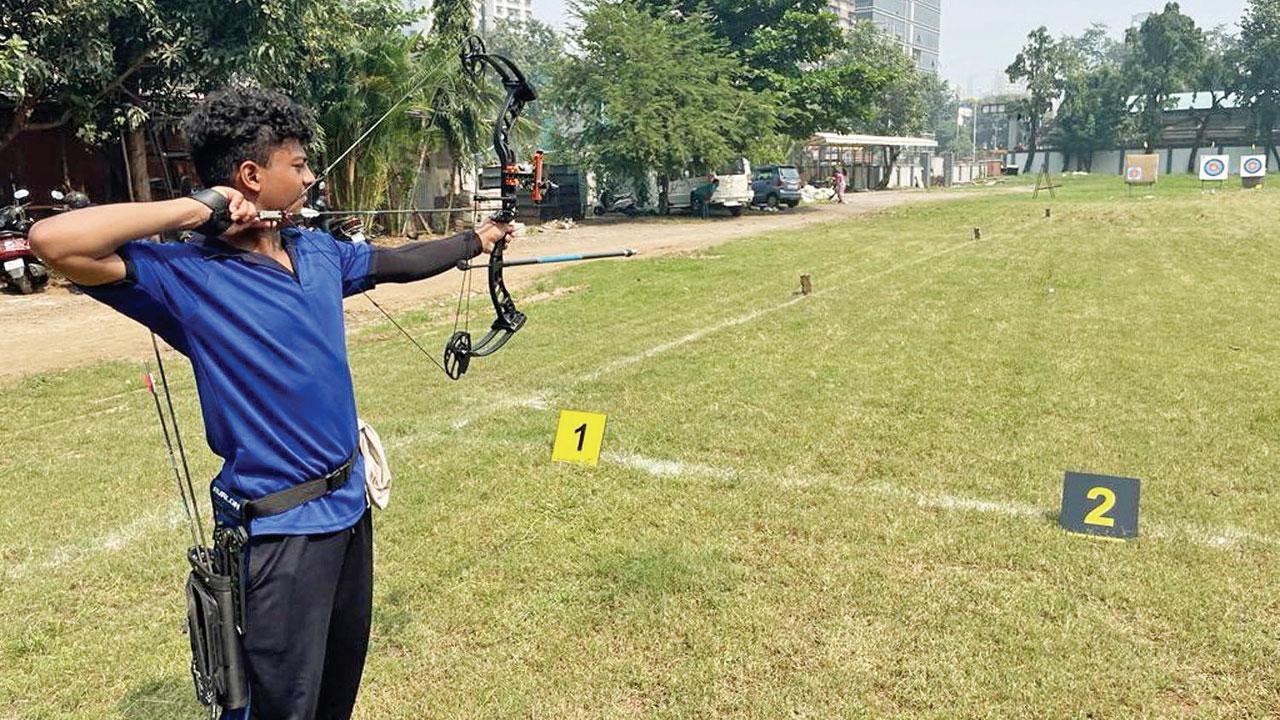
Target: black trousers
x: 307, y: 610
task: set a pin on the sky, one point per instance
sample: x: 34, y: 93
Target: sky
x: 981, y: 37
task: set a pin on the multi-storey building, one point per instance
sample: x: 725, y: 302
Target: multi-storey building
x: 916, y: 23
x: 489, y: 12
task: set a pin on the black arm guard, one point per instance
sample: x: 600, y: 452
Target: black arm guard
x: 220, y: 219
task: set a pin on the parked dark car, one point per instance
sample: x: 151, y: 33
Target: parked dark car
x: 776, y: 185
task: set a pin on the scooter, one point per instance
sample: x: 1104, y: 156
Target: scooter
x: 610, y: 203
x: 22, y: 270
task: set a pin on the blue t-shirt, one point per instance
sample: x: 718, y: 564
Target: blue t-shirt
x: 268, y: 349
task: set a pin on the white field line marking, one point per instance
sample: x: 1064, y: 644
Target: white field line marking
x: 541, y: 400
x: 748, y: 317
x: 95, y: 413
x: 165, y: 517
x: 538, y: 401
x: 951, y: 502
x: 1223, y: 538
x: 546, y: 396
x: 666, y: 468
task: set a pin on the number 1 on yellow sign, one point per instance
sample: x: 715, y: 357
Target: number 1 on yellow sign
x: 579, y: 437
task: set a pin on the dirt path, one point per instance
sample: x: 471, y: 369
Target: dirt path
x: 57, y: 329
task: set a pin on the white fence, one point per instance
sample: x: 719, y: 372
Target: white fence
x: 1173, y: 161
x: 962, y: 171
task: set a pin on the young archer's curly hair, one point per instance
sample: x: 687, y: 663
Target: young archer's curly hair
x: 243, y: 123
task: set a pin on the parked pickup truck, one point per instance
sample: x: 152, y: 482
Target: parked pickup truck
x: 733, y: 194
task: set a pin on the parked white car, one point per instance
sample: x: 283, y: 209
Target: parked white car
x: 733, y: 194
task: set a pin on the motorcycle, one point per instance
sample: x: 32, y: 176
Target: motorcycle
x: 350, y: 229
x: 610, y: 203
x: 22, y: 270
x: 319, y: 216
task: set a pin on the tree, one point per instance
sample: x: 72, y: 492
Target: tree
x: 1093, y: 48
x: 942, y: 116
x: 538, y: 50
x: 1041, y: 65
x: 1219, y: 77
x: 1260, y: 58
x: 789, y: 48
x: 902, y: 107
x: 360, y: 85
x: 656, y: 92
x: 1094, y: 109
x: 1164, y: 54
x: 106, y: 67
x: 1092, y: 115
x: 461, y: 106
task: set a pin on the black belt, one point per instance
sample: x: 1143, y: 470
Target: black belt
x: 290, y: 498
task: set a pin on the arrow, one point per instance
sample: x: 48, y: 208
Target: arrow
x: 466, y: 265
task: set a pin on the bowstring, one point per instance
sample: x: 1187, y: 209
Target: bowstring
x: 438, y: 70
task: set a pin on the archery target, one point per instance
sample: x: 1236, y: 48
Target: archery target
x: 1214, y: 167
x: 1253, y: 166
x: 1141, y: 169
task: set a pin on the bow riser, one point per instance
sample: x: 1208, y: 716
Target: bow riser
x: 508, y: 320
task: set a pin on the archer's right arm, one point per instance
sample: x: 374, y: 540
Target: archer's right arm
x: 82, y: 244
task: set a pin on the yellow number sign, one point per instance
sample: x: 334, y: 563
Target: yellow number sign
x: 579, y: 436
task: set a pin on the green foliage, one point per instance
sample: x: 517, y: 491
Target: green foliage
x: 942, y: 119
x: 792, y: 48
x: 1094, y: 113
x: 109, y: 65
x: 656, y: 93
x: 1164, y: 56
x: 538, y: 50
x: 902, y: 104
x: 1260, y: 58
x: 1221, y: 70
x: 1042, y: 66
x: 461, y: 108
x: 377, y: 71
x: 1093, y: 48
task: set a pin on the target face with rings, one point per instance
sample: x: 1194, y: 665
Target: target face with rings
x: 1214, y: 167
x: 1253, y: 166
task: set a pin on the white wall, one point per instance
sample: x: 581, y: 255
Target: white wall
x: 1112, y: 161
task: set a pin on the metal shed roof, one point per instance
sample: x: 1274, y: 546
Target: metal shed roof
x: 823, y: 138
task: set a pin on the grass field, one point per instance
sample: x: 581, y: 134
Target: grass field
x: 840, y: 505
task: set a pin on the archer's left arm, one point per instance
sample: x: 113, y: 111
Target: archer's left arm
x: 421, y: 260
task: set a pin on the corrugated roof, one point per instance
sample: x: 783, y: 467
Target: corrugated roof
x: 1202, y: 100
x: 823, y: 138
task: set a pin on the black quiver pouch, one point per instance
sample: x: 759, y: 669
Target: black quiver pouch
x: 214, y: 605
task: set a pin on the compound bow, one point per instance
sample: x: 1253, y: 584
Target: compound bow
x: 460, y: 348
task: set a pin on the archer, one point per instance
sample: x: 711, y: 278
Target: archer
x: 257, y: 308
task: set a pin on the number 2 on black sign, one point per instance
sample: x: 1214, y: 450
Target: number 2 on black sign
x: 1098, y: 516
